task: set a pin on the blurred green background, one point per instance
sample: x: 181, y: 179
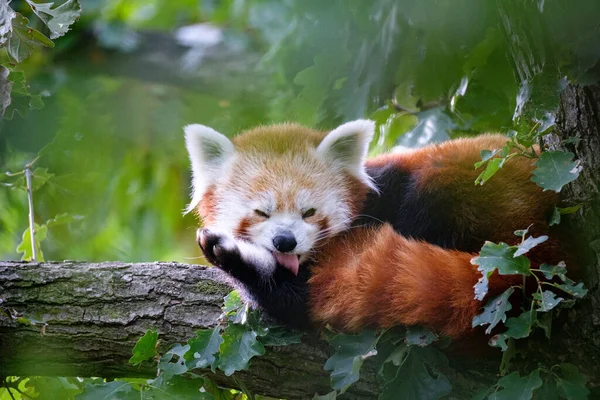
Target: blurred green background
x: 121, y: 84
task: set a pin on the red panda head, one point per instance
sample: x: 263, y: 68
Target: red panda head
x: 285, y: 187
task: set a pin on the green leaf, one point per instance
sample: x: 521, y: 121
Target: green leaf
x: 550, y: 271
x: 51, y: 387
x: 554, y: 169
x: 232, y: 302
x: 548, y: 391
x: 25, y: 248
x: 494, y: 311
x: 419, y: 336
x: 529, y: 244
x: 280, y: 336
x: 145, y: 348
x: 547, y: 300
x: 571, y: 382
x: 418, y: 377
x: 557, y: 212
x: 555, y: 217
x: 173, y: 361
x: 569, y: 210
x: 204, y: 349
x: 517, y: 388
x: 491, y: 168
x: 350, y: 353
x: 57, y: 19
x: 520, y: 327
x: 544, y: 321
x: 25, y: 40
x: 62, y: 219
x: 501, y: 257
x: 578, y: 290
x: 238, y: 347
x: 16, y: 97
x: 486, y: 155
x: 108, y: 391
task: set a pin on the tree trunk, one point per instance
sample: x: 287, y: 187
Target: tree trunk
x: 578, y: 121
x: 94, y: 314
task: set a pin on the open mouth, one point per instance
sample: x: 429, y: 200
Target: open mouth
x: 288, y: 260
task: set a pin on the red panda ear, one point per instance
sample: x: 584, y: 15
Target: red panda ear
x: 347, y: 145
x: 209, y: 151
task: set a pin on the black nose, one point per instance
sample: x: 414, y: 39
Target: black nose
x: 285, y: 242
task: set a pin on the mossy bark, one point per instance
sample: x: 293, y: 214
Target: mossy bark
x: 95, y: 312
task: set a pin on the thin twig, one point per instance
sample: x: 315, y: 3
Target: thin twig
x: 30, y: 199
x: 8, y: 389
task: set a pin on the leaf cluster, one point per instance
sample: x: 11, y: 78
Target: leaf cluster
x: 228, y: 347
x: 18, y: 40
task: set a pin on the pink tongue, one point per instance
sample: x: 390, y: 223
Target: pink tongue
x: 290, y: 261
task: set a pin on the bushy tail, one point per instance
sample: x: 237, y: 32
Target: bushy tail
x: 376, y: 277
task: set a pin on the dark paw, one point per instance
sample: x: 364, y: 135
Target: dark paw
x: 219, y: 249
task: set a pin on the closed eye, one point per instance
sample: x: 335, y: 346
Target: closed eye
x: 309, y: 213
x: 261, y: 213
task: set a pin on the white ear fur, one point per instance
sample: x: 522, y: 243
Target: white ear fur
x: 208, y: 150
x: 348, y: 145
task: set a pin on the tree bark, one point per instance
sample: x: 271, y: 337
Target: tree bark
x: 578, y: 123
x: 95, y: 312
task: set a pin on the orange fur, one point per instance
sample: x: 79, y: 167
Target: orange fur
x: 376, y: 277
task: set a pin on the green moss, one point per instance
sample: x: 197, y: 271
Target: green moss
x: 208, y: 287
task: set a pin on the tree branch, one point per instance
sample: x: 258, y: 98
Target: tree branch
x: 95, y: 312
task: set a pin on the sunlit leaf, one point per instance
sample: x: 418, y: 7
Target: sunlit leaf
x: 25, y: 247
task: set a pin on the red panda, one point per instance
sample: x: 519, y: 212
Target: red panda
x: 315, y: 233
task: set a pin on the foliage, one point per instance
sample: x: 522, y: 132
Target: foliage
x: 18, y: 41
x: 406, y: 363
x: 228, y: 347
